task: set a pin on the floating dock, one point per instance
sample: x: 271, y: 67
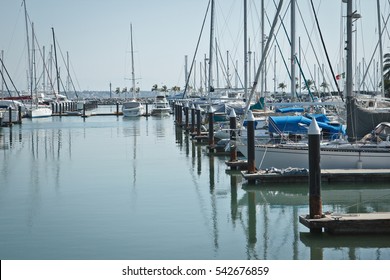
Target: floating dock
x: 357, y: 223
x: 327, y: 175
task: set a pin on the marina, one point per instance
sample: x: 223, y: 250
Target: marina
x: 106, y: 187
x: 259, y: 148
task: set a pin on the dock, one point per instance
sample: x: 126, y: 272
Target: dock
x: 327, y: 175
x: 357, y: 223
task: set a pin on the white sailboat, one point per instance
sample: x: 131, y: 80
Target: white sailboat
x: 133, y: 107
x: 334, y: 154
x: 37, y: 109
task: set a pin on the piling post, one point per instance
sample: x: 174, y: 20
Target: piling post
x: 251, y: 142
x: 198, y: 121
x: 19, y: 114
x: 60, y: 109
x: 117, y: 108
x: 147, y: 109
x: 233, y: 127
x: 192, y: 118
x: 211, y: 127
x: 315, y: 203
x: 84, y: 109
x: 10, y: 116
x: 186, y: 107
x: 179, y: 114
x: 175, y: 112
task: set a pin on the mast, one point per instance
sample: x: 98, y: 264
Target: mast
x: 348, y: 85
x: 245, y: 52
x: 380, y: 49
x: 56, y: 64
x: 211, y: 50
x: 2, y: 71
x: 34, y: 69
x: 292, y: 55
x: 28, y: 51
x: 132, y: 60
x: 262, y: 51
x: 258, y: 72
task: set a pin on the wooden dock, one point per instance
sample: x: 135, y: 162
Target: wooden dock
x: 237, y: 164
x: 327, y: 175
x: 357, y: 223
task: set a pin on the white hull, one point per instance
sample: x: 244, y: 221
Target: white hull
x: 161, y: 106
x: 39, y: 112
x: 131, y: 109
x: 343, y: 157
x: 161, y: 112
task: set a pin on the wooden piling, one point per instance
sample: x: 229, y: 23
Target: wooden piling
x: 186, y: 107
x: 147, y: 109
x: 192, y: 118
x: 211, y: 127
x: 315, y: 204
x: 198, y: 121
x: 233, y: 127
x: 19, y: 114
x: 251, y: 143
x: 10, y: 115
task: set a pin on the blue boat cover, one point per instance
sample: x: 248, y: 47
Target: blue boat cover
x: 289, y: 110
x: 300, y: 125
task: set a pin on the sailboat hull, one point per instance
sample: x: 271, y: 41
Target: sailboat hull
x: 133, y: 109
x: 39, y: 112
x: 348, y: 157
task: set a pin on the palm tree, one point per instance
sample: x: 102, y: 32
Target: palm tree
x: 309, y: 85
x: 155, y: 87
x: 282, y: 86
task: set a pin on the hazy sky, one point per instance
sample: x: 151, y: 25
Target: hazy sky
x: 96, y: 34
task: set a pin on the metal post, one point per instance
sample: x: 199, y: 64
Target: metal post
x: 315, y: 203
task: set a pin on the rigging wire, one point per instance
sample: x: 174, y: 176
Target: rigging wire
x: 326, y: 52
x: 196, y: 51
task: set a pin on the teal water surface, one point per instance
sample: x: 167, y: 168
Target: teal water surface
x: 107, y: 187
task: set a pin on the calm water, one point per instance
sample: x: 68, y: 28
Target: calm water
x: 112, y: 188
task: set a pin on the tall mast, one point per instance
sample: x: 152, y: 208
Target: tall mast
x: 211, y: 50
x: 380, y: 49
x: 56, y: 64
x: 132, y: 60
x: 348, y: 85
x: 2, y: 71
x: 28, y: 50
x: 245, y: 52
x: 293, y: 49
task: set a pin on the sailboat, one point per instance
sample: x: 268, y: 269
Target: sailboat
x: 133, y: 107
x: 339, y: 153
x: 37, y: 108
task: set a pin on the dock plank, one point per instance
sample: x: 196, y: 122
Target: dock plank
x: 356, y: 223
